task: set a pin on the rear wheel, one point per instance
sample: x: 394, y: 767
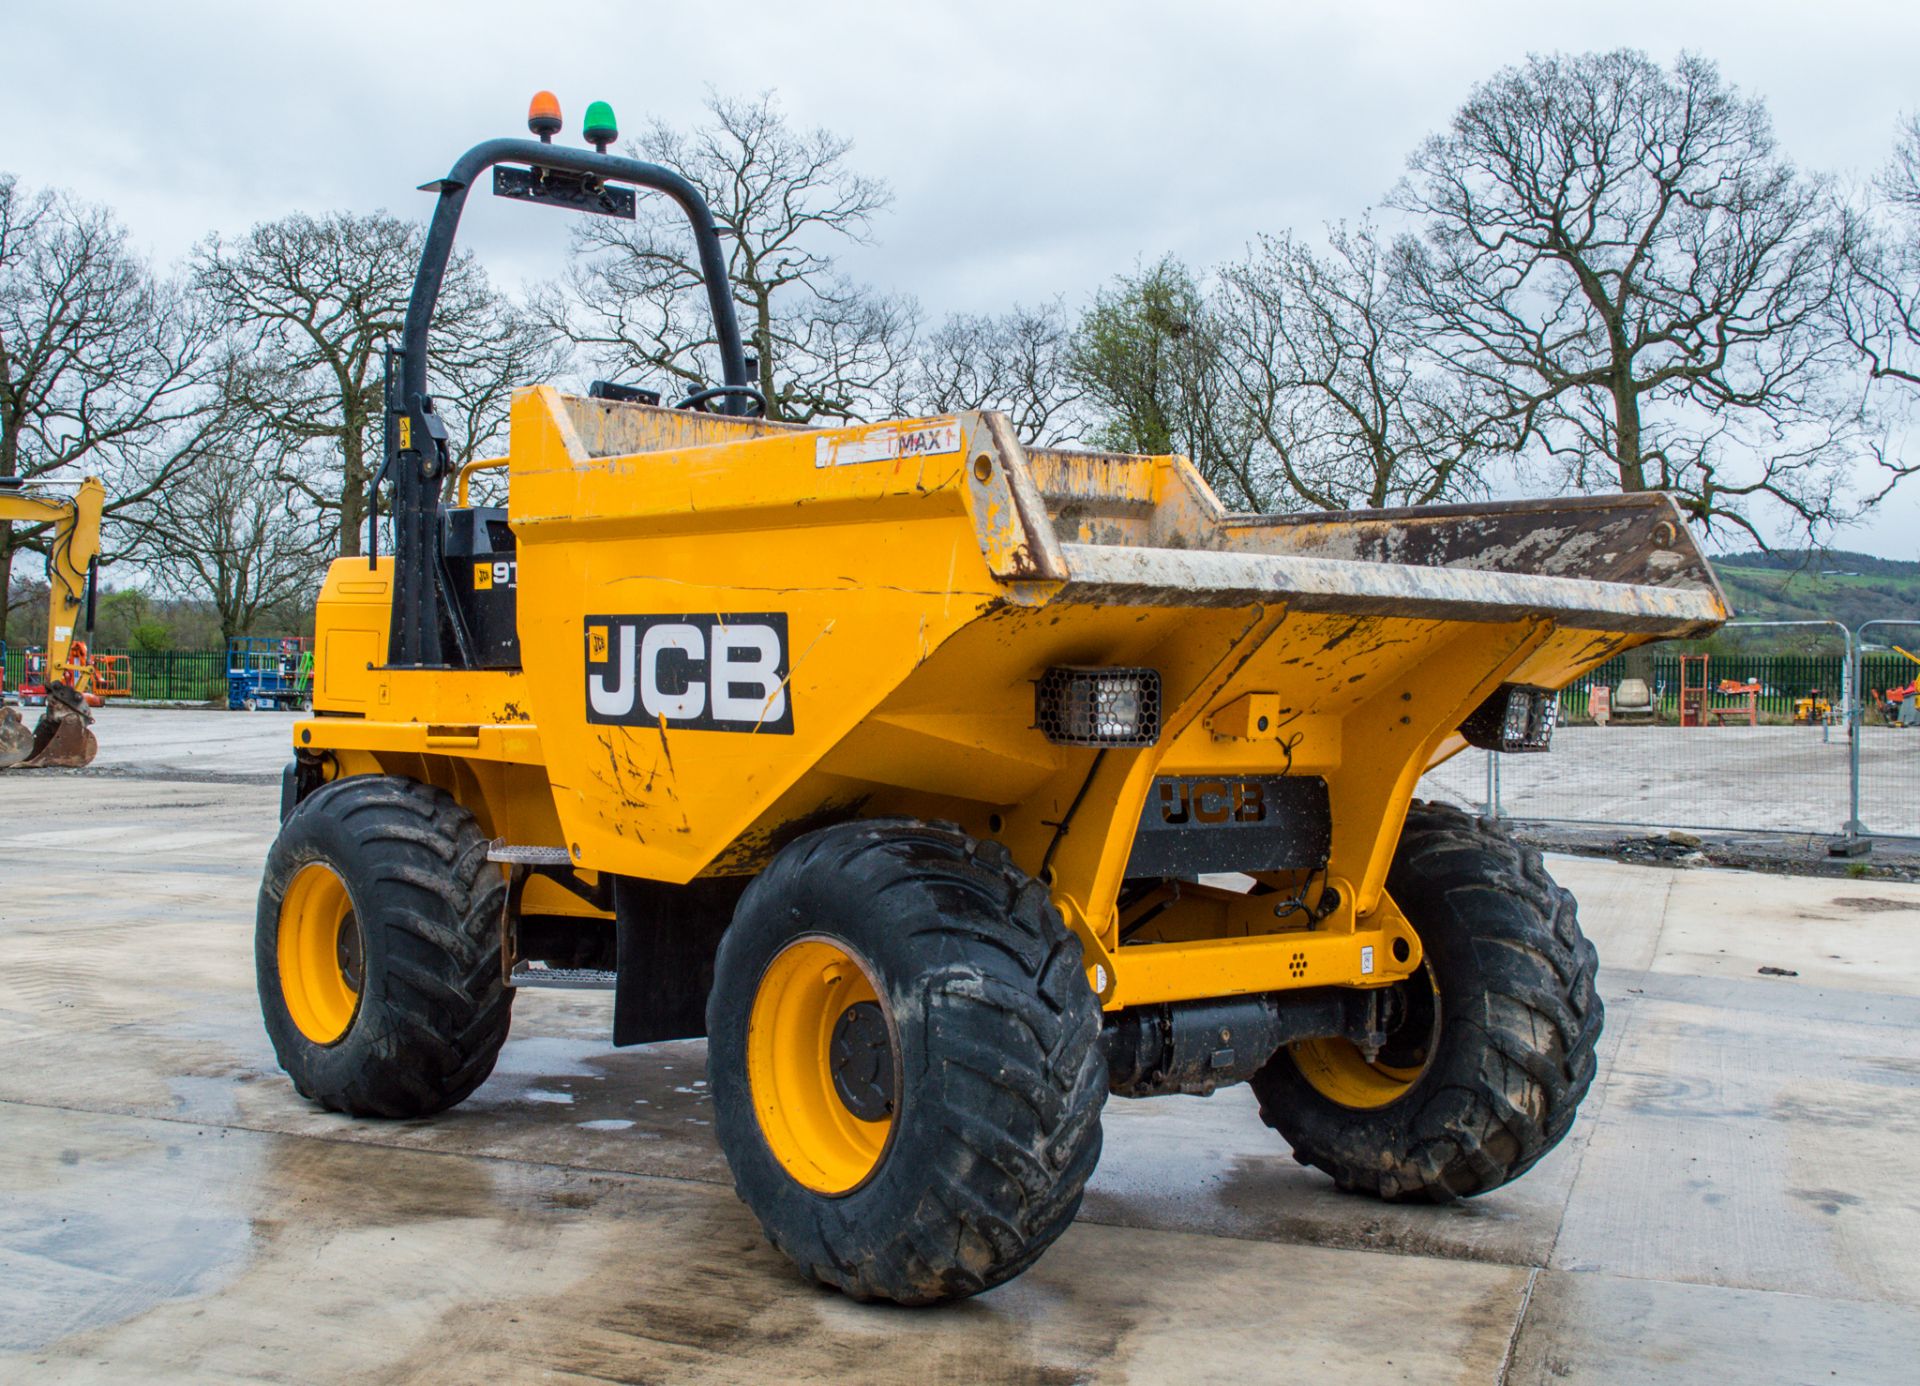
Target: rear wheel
x: 903, y: 1061
x: 1491, y: 1048
x: 377, y: 949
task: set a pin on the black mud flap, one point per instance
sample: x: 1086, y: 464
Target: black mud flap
x: 667, y: 938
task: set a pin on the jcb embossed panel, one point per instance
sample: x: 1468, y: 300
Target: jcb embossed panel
x: 1196, y: 823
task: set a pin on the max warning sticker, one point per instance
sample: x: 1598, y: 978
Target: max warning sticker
x: 887, y: 445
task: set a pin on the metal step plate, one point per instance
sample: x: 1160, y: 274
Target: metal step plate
x: 535, y: 974
x: 499, y: 850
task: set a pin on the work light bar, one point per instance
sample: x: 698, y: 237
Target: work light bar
x: 1098, y: 707
x: 1515, y: 718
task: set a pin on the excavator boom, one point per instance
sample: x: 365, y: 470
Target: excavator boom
x: 62, y: 737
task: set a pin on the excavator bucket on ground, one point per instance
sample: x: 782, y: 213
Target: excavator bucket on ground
x: 16, y: 742
x: 62, y: 739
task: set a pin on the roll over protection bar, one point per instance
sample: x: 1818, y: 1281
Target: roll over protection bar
x: 415, y: 453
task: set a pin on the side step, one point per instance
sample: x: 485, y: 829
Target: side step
x: 538, y: 974
x: 501, y: 850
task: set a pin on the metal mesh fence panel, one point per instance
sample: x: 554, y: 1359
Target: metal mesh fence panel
x: 1889, y: 803
x: 1762, y: 744
x: 1758, y: 779
x: 1467, y: 781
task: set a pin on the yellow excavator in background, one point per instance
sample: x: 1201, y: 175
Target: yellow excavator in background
x: 1813, y: 710
x: 63, y: 737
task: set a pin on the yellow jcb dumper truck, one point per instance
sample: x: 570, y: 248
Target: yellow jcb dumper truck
x: 63, y: 736
x: 946, y: 786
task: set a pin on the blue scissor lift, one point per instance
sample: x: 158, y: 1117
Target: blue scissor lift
x: 269, y: 671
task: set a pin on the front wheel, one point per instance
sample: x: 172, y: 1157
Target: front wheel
x: 1492, y: 1043
x: 903, y: 1061
x: 377, y: 949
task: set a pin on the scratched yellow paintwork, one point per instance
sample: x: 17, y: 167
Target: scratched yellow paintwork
x: 923, y: 596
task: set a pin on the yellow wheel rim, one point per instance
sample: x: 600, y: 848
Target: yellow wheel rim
x: 802, y: 1001
x: 320, y: 954
x: 1339, y: 1071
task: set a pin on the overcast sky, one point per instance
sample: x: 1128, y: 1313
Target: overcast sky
x: 1034, y: 148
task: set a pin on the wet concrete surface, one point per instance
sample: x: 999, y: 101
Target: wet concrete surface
x: 1739, y: 1199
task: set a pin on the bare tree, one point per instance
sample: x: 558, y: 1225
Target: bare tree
x: 97, y: 359
x: 785, y: 202
x: 498, y: 347
x: 231, y: 531
x: 1016, y: 362
x: 310, y: 303
x: 1149, y: 356
x: 1883, y: 306
x: 1878, y: 306
x: 1330, y: 368
x: 1620, y: 254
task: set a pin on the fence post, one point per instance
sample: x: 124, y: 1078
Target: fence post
x: 1859, y: 837
x: 1856, y: 725
x: 1852, y: 841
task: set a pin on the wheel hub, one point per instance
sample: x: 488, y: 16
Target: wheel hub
x: 1410, y: 1014
x: 861, y: 1061
x: 347, y: 950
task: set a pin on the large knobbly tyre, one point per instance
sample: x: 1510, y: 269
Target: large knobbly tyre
x: 377, y: 949
x: 903, y: 1058
x: 1496, y: 1046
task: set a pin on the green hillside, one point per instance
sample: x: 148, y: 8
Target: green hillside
x: 1793, y: 585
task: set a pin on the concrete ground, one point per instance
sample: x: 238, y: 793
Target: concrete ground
x: 1738, y: 1201
x: 1776, y: 779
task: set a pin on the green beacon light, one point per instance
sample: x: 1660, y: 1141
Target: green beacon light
x: 600, y: 128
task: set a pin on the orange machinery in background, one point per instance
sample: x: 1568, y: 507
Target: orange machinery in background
x: 95, y: 677
x: 1693, y: 690
x: 1747, y: 705
x: 112, y: 676
x: 1696, y: 707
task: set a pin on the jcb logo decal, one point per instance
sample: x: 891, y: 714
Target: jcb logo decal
x: 1212, y: 801
x: 704, y: 673
x: 487, y: 576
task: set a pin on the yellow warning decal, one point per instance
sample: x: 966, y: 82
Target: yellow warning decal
x: 483, y: 577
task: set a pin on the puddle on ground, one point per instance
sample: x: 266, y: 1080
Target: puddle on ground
x: 550, y: 1056
x: 122, y: 1227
